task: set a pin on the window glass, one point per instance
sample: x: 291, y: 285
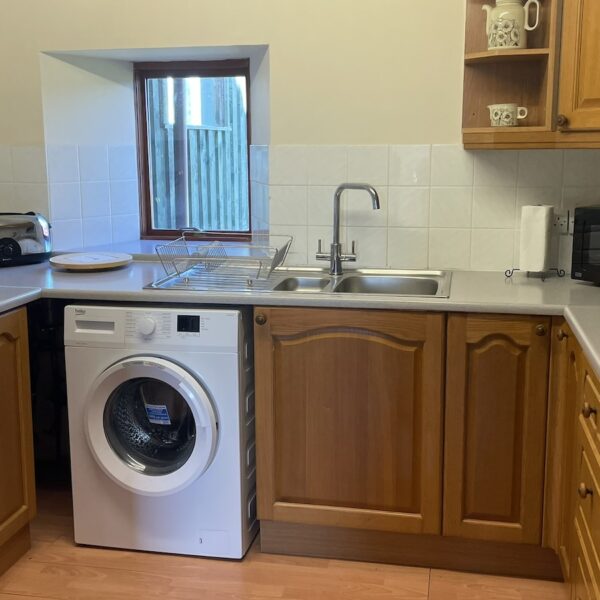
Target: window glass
x: 197, y: 153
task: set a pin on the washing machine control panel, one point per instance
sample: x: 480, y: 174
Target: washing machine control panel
x: 179, y: 327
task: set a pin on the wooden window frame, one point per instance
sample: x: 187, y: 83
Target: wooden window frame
x: 147, y: 70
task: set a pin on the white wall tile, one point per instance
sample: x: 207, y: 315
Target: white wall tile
x: 538, y: 195
x: 8, y: 197
x: 95, y: 199
x: 6, y: 173
x: 288, y: 165
x: 371, y: 245
x: 495, y: 168
x: 540, y: 168
x: 125, y: 228
x: 450, y: 206
x: 288, y: 205
x: 408, y: 207
x: 494, y: 207
x: 63, y: 164
x: 449, y: 248
x: 97, y: 231
x: 297, y: 253
x: 29, y: 164
x: 492, y: 249
x: 408, y: 248
x: 368, y: 164
x: 32, y: 196
x: 67, y: 235
x: 93, y: 163
x: 320, y: 205
x: 122, y: 163
x: 124, y: 197
x: 360, y: 211
x: 582, y: 168
x: 451, y: 165
x: 65, y: 201
x: 580, y: 196
x: 410, y: 165
x: 327, y: 165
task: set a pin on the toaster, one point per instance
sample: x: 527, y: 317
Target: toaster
x: 24, y: 239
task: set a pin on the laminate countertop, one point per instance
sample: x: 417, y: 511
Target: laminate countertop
x: 470, y: 291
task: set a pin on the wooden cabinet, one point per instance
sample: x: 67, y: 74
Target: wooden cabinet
x: 349, y: 418
x: 495, y: 428
x: 17, y: 485
x: 579, y: 100
x: 530, y: 77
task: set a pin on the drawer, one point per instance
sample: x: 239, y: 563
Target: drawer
x: 587, y: 511
x: 584, y: 585
x: 589, y: 418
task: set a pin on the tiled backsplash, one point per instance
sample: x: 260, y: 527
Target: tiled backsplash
x: 441, y: 207
x: 91, y: 191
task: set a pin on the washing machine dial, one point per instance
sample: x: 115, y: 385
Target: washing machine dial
x: 146, y: 326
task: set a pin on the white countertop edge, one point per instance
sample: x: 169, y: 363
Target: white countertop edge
x: 585, y: 324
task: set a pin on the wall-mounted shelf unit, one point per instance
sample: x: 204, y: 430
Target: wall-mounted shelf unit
x: 522, y: 76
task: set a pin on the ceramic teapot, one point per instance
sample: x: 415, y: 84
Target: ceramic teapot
x: 508, y: 23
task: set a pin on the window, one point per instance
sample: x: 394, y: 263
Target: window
x: 193, y: 138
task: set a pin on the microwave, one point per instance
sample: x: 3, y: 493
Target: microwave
x: 586, y: 244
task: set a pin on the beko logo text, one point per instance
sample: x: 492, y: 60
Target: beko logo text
x: 80, y: 311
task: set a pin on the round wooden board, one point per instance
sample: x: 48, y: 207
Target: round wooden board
x: 90, y: 261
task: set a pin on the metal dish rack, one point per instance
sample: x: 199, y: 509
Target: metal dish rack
x: 224, y: 264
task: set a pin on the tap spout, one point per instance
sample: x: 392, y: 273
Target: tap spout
x: 336, y: 250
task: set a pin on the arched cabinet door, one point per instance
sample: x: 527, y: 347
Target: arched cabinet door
x: 349, y: 417
x: 495, y: 427
x: 17, y: 482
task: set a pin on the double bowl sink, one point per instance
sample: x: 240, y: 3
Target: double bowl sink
x: 364, y: 281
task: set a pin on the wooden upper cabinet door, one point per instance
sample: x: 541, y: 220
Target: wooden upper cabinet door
x: 579, y: 98
x: 496, y: 395
x: 17, y: 485
x: 349, y: 413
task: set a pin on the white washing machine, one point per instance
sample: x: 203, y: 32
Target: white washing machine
x: 161, y: 423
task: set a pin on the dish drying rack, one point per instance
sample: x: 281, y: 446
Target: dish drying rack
x: 224, y: 264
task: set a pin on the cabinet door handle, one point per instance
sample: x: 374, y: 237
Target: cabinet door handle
x: 561, y: 335
x: 587, y: 411
x: 260, y: 319
x: 562, y: 121
x: 584, y: 491
x: 541, y: 330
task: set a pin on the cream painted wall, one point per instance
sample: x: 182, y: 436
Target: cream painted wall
x: 341, y: 71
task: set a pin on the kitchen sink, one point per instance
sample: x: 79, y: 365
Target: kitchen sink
x: 302, y: 284
x: 388, y: 282
x: 400, y: 285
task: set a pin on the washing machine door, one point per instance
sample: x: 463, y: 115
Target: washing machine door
x: 150, y: 425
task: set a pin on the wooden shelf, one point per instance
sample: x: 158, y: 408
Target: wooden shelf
x: 521, y: 129
x: 496, y: 56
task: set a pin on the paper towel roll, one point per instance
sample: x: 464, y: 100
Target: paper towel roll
x: 536, y: 225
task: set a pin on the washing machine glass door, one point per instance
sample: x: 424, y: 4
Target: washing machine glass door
x: 150, y: 425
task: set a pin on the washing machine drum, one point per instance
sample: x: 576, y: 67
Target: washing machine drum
x: 150, y: 425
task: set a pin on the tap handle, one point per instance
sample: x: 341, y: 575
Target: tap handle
x: 353, y: 246
x: 319, y: 244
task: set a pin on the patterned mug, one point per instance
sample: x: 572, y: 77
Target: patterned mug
x: 506, y: 115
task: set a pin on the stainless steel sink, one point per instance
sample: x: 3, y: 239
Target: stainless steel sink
x: 388, y: 282
x: 401, y: 285
x: 302, y: 284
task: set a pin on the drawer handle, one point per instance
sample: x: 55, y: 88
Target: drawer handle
x: 260, y: 319
x: 584, y: 491
x: 541, y: 330
x: 561, y: 335
x: 587, y: 411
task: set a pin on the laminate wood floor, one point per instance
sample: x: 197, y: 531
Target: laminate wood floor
x: 56, y: 569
